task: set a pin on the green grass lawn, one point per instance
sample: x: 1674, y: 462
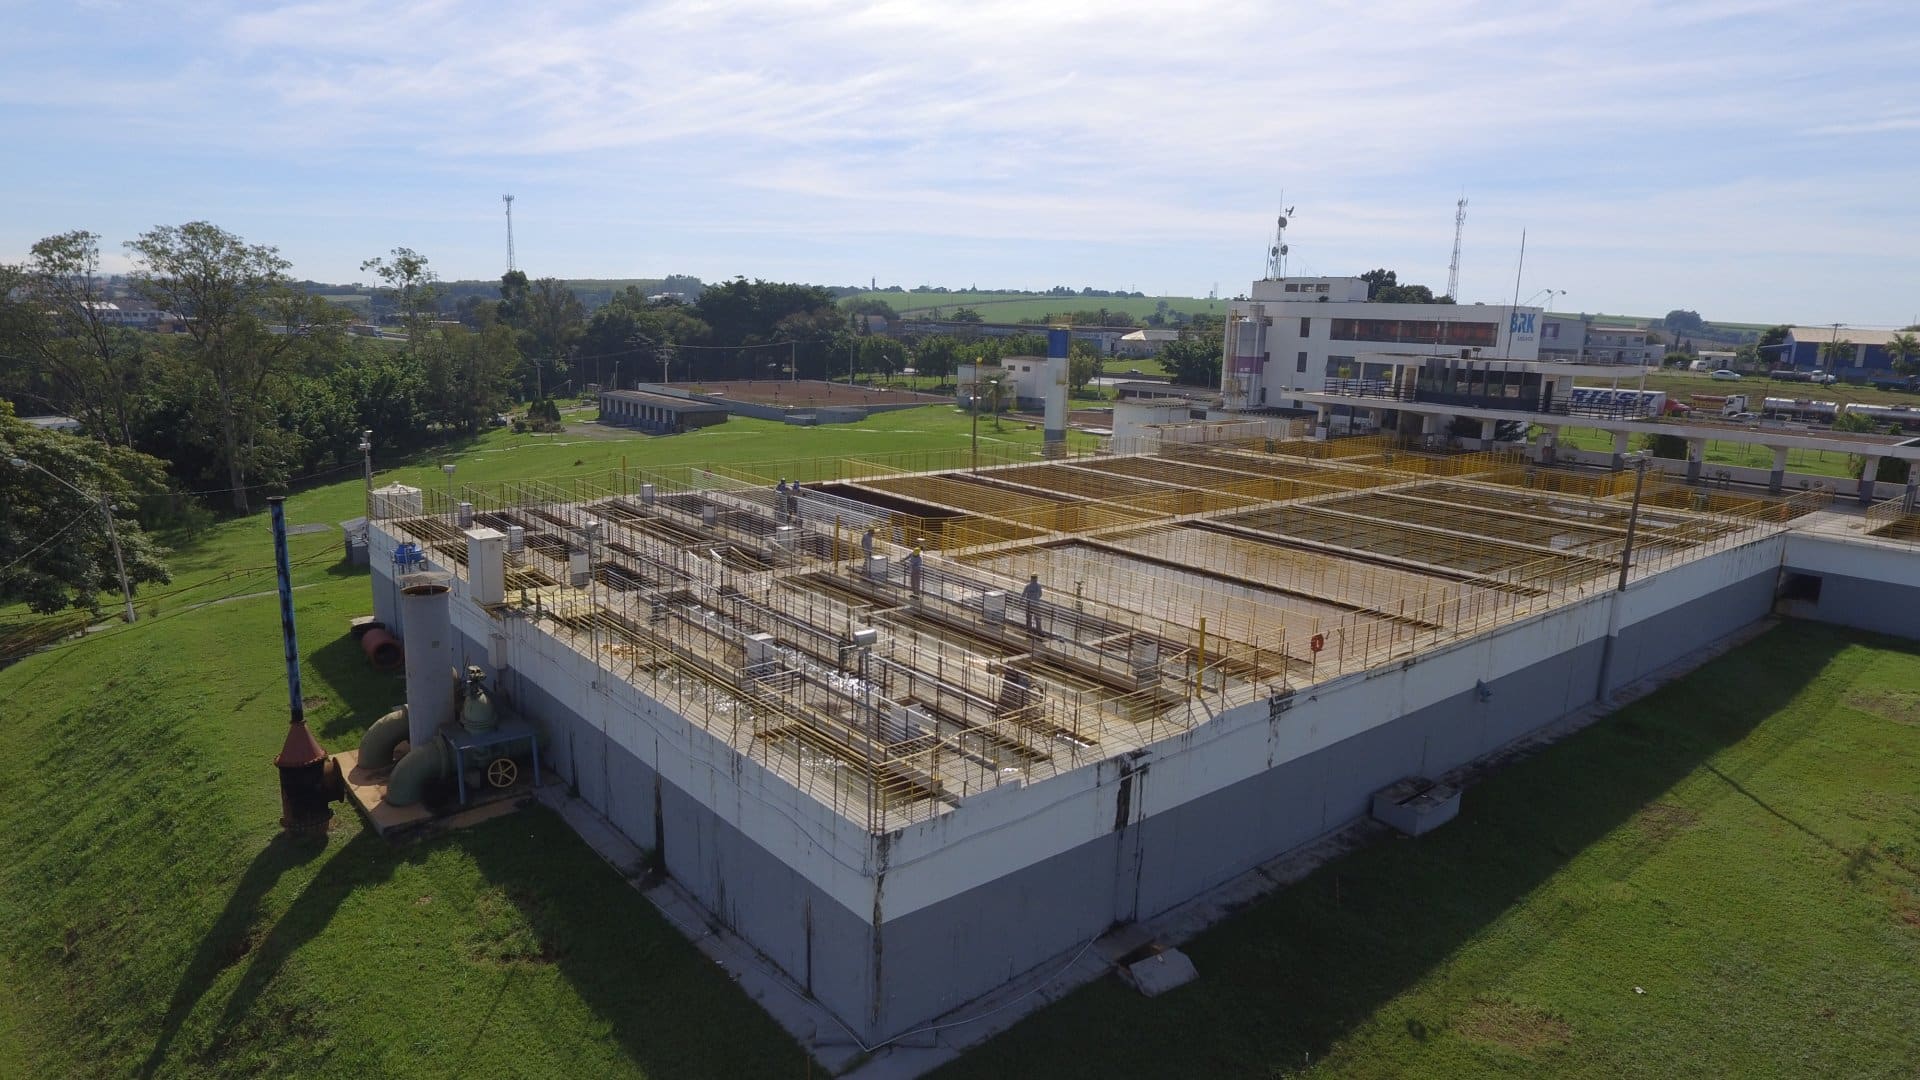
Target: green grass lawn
x: 1719, y: 452
x: 1124, y: 366
x: 1681, y: 385
x: 1743, y: 856
x: 1720, y: 880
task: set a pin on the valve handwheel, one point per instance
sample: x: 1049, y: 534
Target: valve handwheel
x: 502, y: 772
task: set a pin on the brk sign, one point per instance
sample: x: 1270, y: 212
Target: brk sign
x: 1521, y: 322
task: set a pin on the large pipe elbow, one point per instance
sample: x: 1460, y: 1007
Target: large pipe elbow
x: 376, y: 746
x: 423, y: 764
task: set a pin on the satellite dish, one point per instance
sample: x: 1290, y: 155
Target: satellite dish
x: 1283, y: 249
x: 1283, y: 221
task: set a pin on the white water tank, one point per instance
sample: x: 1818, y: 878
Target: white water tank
x: 993, y: 606
x: 395, y: 501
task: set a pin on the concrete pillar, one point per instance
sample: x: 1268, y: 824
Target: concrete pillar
x: 1866, y: 479
x: 1913, y: 488
x: 1486, y: 434
x: 1696, y: 457
x: 1549, y: 440
x: 1378, y: 417
x: 1324, y: 421
x: 1619, y: 449
x: 1778, y: 478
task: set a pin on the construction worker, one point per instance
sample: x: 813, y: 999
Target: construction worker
x: 866, y: 544
x: 913, y: 572
x: 1032, y: 595
x: 780, y: 500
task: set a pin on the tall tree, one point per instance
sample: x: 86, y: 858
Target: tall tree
x: 411, y: 282
x: 244, y: 324
x: 60, y: 343
x: 1194, y: 358
x: 554, y: 321
x: 1835, y: 352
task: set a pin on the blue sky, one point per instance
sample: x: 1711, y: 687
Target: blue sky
x: 1752, y: 160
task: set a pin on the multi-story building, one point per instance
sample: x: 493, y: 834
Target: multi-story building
x: 1294, y: 334
x: 1578, y: 338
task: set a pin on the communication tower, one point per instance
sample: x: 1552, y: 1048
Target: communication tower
x: 1453, y: 268
x: 1277, y: 253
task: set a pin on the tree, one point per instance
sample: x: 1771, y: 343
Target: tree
x: 554, y: 321
x: 1770, y: 347
x: 1677, y: 358
x: 1673, y: 447
x: 1378, y: 279
x: 58, y: 344
x: 966, y: 314
x: 1194, y: 357
x: 1902, y: 349
x: 937, y: 356
x: 1683, y: 321
x: 413, y: 287
x: 1083, y: 365
x: 244, y: 324
x: 54, y: 549
x: 1835, y: 352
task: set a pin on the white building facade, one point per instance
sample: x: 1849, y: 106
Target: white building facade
x: 1294, y: 334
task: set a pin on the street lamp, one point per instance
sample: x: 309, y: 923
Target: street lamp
x: 448, y: 469
x: 113, y: 536
x: 366, y: 456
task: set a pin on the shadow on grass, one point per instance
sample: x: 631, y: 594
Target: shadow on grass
x: 1298, y: 971
x: 672, y: 1011
x: 364, y: 694
x: 230, y: 939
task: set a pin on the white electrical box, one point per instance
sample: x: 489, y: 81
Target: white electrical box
x: 579, y: 570
x: 646, y: 494
x: 486, y: 565
x: 761, y: 657
x: 709, y: 515
x: 993, y: 606
x: 464, y: 514
x: 786, y: 537
x: 516, y: 539
x: 877, y: 567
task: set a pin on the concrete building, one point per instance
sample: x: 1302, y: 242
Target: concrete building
x: 1577, y: 338
x: 659, y: 414
x: 1025, y: 378
x: 1146, y: 341
x: 907, y: 791
x: 1295, y: 334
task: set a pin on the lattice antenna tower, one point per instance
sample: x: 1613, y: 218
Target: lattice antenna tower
x: 1453, y: 268
x: 508, y: 199
x: 1277, y: 253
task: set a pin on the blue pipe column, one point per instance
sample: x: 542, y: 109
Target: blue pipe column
x: 309, y: 779
x: 1054, y: 390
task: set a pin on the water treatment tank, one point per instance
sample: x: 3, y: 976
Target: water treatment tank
x: 431, y: 676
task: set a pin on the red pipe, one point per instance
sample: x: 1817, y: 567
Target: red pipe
x: 382, y: 648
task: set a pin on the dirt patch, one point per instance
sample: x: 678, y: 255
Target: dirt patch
x: 1660, y: 821
x: 1906, y: 908
x: 1899, y: 706
x: 1523, y: 1029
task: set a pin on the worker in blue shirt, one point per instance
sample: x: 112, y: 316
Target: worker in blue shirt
x: 1032, y: 595
x: 913, y: 572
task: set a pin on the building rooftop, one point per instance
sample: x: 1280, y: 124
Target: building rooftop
x: 664, y: 401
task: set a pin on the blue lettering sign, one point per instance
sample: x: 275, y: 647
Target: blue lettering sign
x: 1521, y: 323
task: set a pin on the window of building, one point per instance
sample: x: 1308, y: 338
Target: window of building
x: 1416, y: 332
x: 1306, y: 327
x: 1300, y: 363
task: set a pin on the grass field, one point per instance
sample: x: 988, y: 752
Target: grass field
x: 1681, y: 385
x: 1027, y: 307
x: 1815, y: 462
x: 1745, y: 857
x: 1721, y: 880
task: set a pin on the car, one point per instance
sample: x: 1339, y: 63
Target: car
x: 1824, y: 378
x: 1743, y: 418
x: 1726, y: 375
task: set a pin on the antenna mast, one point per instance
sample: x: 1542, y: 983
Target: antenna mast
x: 1277, y: 253
x: 1453, y: 268
x: 508, y: 199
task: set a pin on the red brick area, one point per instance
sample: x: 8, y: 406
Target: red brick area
x: 808, y: 393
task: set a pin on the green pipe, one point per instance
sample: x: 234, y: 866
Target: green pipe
x: 421, y: 766
x: 376, y: 746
